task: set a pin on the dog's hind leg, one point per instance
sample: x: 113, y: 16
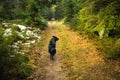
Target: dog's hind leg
x: 51, y: 57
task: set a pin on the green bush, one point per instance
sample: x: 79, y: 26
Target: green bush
x: 115, y: 50
x: 16, y: 67
x: 28, y: 21
x: 12, y: 65
x: 110, y: 47
x: 14, y: 27
x: 4, y: 49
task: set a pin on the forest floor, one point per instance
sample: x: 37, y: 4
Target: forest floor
x: 76, y: 59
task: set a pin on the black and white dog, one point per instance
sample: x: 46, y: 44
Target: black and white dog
x: 52, y: 47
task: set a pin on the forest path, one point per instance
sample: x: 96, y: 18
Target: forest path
x: 54, y: 67
x: 76, y: 58
x: 46, y: 69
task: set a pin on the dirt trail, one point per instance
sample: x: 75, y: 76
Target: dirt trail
x: 76, y: 59
x: 54, y: 67
x: 54, y: 70
x: 47, y: 69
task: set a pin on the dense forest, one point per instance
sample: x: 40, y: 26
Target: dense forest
x: 98, y: 20
x: 15, y: 65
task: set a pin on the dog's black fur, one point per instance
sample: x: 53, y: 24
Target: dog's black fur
x: 52, y: 46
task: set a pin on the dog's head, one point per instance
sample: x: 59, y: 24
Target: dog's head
x: 56, y: 39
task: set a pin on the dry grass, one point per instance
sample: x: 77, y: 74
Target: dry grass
x: 76, y: 59
x: 80, y: 58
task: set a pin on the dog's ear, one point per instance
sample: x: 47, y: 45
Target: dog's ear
x: 57, y: 39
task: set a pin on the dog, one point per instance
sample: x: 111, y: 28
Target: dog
x: 52, y: 47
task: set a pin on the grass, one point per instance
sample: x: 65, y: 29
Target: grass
x: 80, y: 57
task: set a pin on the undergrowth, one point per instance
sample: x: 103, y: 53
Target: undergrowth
x: 12, y: 65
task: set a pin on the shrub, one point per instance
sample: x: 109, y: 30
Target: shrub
x: 12, y: 65
x: 110, y: 47
x: 116, y: 50
x: 28, y: 21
